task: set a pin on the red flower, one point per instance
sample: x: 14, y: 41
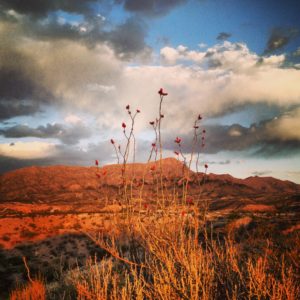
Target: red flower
x: 98, y: 175
x: 205, y: 166
x: 183, y: 213
x: 96, y: 162
x: 203, y: 138
x: 199, y: 117
x: 176, y: 152
x: 138, y: 111
x: 104, y: 172
x: 196, y: 127
x: 123, y: 125
x: 151, y: 123
x: 112, y: 141
x: 204, y: 131
x: 152, y: 168
x: 146, y: 206
x: 153, y: 145
x: 162, y: 116
x: 162, y: 93
x: 190, y: 201
x: 177, y: 140
x: 127, y: 106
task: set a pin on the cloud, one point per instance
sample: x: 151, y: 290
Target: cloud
x: 9, y: 110
x: 222, y: 36
x: 224, y: 162
x: 261, y: 173
x: 287, y: 127
x: 126, y: 39
x: 40, y: 9
x: 280, y: 37
x: 24, y: 154
x: 67, y: 134
x: 171, y: 55
x: 32, y: 150
x: 276, y: 137
x: 151, y: 8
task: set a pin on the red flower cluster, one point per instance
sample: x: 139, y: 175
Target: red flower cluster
x: 199, y: 117
x: 162, y: 92
x: 177, y: 140
x: 206, y: 166
x: 151, y: 123
x: 153, y: 168
x: 127, y: 106
x: 153, y: 145
x: 138, y: 111
x: 176, y: 152
x: 112, y: 141
x: 123, y: 125
x: 96, y: 162
x: 98, y: 175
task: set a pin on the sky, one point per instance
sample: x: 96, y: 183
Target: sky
x: 68, y: 68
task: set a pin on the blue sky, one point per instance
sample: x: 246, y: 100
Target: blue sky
x: 69, y: 68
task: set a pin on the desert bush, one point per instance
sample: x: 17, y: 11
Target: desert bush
x: 26, y: 233
x: 6, y: 238
x: 171, y: 262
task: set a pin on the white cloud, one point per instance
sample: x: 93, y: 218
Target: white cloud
x: 171, y: 55
x: 28, y: 150
x: 286, y: 127
x: 72, y: 119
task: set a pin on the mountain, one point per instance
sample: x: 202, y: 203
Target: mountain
x: 66, y: 184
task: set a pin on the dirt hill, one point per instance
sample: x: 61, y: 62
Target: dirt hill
x: 65, y: 184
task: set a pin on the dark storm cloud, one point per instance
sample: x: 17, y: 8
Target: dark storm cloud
x: 151, y: 8
x: 256, y: 140
x: 68, y: 135
x: 10, y: 110
x: 280, y: 37
x: 222, y: 36
x: 16, y: 82
x: 20, y: 93
x: 128, y: 38
x: 41, y: 8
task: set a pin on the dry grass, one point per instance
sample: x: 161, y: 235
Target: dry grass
x: 35, y: 290
x: 182, y: 262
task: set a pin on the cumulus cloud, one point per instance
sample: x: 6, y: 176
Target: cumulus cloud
x: 171, y: 55
x: 151, y: 8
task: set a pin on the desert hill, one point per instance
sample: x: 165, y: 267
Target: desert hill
x: 67, y: 184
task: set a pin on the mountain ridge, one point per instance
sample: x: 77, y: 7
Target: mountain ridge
x: 65, y: 183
